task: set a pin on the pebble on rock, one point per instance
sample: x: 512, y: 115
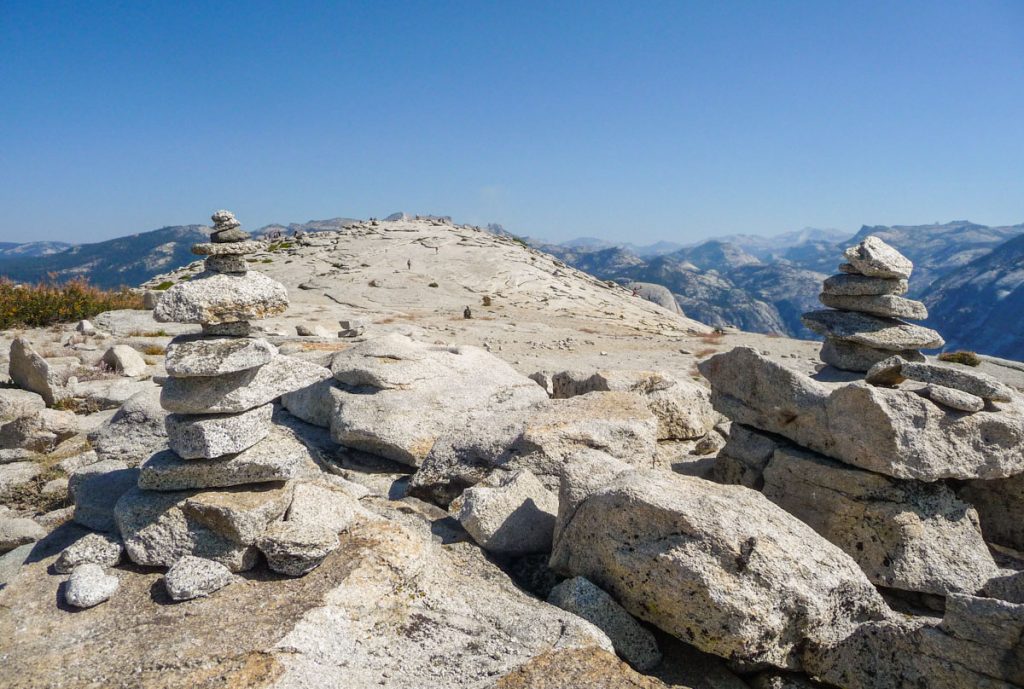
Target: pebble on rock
x: 955, y: 399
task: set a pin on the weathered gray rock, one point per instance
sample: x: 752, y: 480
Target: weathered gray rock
x: 744, y: 457
x: 314, y: 403
x: 683, y: 408
x: 223, y: 221
x: 222, y: 298
x: 410, y: 393
x: 15, y: 402
x: 304, y: 330
x: 1000, y: 505
x: 904, y: 534
x: 191, y: 356
x: 657, y: 294
x: 1008, y: 586
x: 16, y: 474
x: 109, y: 394
x: 881, y: 333
x: 30, y: 371
x: 234, y: 329
x: 228, y: 248
x: 850, y: 356
x: 541, y: 439
x: 894, y: 371
x: 278, y: 457
x: 157, y: 532
x: 886, y: 305
x: 632, y: 642
x: 18, y: 454
x: 509, y: 513
x: 94, y: 548
x: 229, y: 235
x: 320, y: 503
x: 135, y: 432
x: 40, y: 432
x: 954, y: 399
x: 96, y: 489
x: 894, y: 432
x: 861, y: 285
x: 296, y: 548
x: 977, y: 644
x: 205, y: 436
x: 125, y: 360
x: 196, y: 577
x: 874, y: 258
x: 150, y: 298
x: 89, y: 585
x: 17, y: 531
x: 718, y: 566
x: 240, y: 514
x: 226, y: 264
x: 237, y: 392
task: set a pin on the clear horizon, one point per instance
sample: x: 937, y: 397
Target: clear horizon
x: 632, y: 122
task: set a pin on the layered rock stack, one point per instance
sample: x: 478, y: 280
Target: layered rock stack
x: 218, y: 490
x: 865, y: 322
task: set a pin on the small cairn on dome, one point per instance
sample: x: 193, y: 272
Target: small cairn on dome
x: 863, y: 324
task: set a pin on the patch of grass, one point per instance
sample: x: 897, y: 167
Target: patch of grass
x: 47, y: 303
x: 29, y: 496
x: 280, y: 246
x: 706, y: 352
x: 711, y: 338
x: 149, y: 333
x: 153, y: 350
x: 166, y: 284
x: 267, y: 260
x: 961, y: 357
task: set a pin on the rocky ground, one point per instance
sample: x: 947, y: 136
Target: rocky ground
x: 535, y: 495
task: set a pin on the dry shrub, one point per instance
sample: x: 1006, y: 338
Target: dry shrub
x: 711, y: 338
x: 962, y: 357
x: 706, y: 352
x: 47, y: 303
x: 153, y: 350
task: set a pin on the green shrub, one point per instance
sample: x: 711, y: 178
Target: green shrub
x: 962, y: 357
x: 47, y: 303
x: 166, y: 284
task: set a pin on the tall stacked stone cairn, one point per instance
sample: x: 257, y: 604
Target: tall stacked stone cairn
x: 221, y: 490
x: 864, y: 323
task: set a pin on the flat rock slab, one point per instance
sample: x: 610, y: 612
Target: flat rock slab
x: 205, y: 436
x: 222, y: 298
x: 860, y: 285
x: 894, y: 371
x: 898, y: 433
x: 191, y: 356
x: 850, y: 356
x: 158, y: 532
x: 228, y: 248
x: 278, y: 457
x: 954, y: 399
x: 241, y: 514
x: 905, y: 535
x: 874, y: 258
x: 885, y: 305
x: 237, y: 392
x: 873, y: 331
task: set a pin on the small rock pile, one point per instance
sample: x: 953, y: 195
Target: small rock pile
x: 863, y: 325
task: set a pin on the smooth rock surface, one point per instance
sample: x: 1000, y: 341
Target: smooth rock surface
x: 157, y: 532
x: 191, y: 356
x: 905, y: 535
x: 296, y: 548
x: 874, y: 258
x: 16, y: 474
x: 862, y: 285
x: 196, y: 577
x: 205, y: 436
x: 238, y: 392
x: 509, y: 513
x: 88, y: 586
x: 410, y: 393
x: 222, y: 298
x: 94, y: 548
x: 718, y: 566
x: 278, y: 457
x: 872, y: 331
x: 632, y: 642
x: 893, y: 432
x: 886, y: 305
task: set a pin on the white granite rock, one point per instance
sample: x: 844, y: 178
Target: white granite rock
x: 205, y: 436
x: 885, y: 305
x: 954, y: 399
x: 17, y: 531
x: 508, y: 513
x: 873, y: 331
x: 874, y: 258
x: 125, y: 360
x: 30, y: 371
x: 855, y: 285
x: 192, y: 356
x: 296, y: 548
x: 222, y: 298
x: 196, y: 577
x: 242, y: 513
x: 89, y: 585
x: 96, y: 548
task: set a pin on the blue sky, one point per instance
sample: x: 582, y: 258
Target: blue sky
x: 638, y: 121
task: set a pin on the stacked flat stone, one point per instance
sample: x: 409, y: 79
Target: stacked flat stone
x: 951, y: 385
x: 222, y: 482
x: 865, y: 320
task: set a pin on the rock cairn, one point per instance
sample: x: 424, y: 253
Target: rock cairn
x: 217, y: 489
x: 864, y: 323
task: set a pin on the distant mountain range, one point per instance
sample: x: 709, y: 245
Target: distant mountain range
x: 971, y: 276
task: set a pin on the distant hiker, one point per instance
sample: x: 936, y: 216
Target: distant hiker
x: 408, y: 264
x: 466, y: 313
x: 636, y: 291
x: 436, y: 249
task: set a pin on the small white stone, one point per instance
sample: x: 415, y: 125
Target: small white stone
x: 89, y: 586
x: 196, y: 577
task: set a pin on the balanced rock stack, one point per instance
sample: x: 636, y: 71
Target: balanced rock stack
x: 218, y: 490
x: 866, y: 327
